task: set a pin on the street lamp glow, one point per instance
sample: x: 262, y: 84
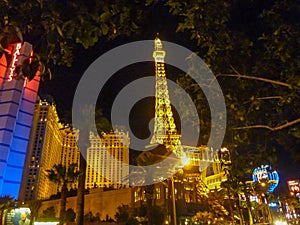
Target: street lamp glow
x: 185, y: 160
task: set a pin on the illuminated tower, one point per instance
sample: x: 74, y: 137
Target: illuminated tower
x: 206, y: 164
x: 17, y: 99
x: 165, y: 132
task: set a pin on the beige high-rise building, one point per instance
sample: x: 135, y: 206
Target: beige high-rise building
x: 70, y: 152
x: 50, y: 143
x: 108, y: 160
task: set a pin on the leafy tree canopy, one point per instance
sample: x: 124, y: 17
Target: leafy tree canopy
x: 57, y: 28
x: 252, y: 47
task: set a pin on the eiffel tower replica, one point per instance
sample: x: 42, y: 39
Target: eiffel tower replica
x: 166, y: 140
x: 165, y: 132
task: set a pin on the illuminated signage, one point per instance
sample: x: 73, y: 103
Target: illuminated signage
x: 15, y: 55
x: 273, y: 204
x: 260, y: 174
x: 18, y: 216
x: 265, y: 174
x: 294, y: 186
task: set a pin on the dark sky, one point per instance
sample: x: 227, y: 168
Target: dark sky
x: 62, y: 86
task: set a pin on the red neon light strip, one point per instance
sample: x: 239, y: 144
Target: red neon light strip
x: 14, y: 60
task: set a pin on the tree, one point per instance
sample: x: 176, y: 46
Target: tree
x: 34, y: 206
x: 48, y: 215
x: 204, y: 218
x: 89, y: 217
x: 259, y: 61
x: 256, y: 65
x: 63, y: 177
x: 123, y: 214
x: 56, y: 29
x: 70, y: 215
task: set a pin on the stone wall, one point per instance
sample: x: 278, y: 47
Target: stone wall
x: 97, y: 201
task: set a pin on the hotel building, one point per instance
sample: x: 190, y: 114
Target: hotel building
x: 50, y: 143
x: 70, y: 152
x: 108, y: 160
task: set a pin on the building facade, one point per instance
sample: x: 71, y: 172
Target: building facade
x: 17, y: 100
x: 98, y: 202
x: 108, y: 160
x: 50, y: 143
x: 205, y: 165
x: 70, y: 152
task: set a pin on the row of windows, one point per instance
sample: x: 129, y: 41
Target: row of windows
x: 142, y: 196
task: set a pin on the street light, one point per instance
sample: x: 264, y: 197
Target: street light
x: 184, y: 162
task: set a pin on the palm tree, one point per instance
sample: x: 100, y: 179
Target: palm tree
x: 63, y: 176
x: 34, y: 206
x: 203, y: 217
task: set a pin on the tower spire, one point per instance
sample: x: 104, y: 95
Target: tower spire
x: 165, y: 131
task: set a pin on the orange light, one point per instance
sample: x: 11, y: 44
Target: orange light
x: 25, y: 82
x: 30, y: 57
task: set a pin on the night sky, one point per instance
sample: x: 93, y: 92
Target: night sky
x: 63, y: 84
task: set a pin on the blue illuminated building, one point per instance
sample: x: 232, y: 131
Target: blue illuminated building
x: 17, y: 100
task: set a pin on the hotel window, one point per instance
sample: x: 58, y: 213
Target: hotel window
x: 157, y: 193
x: 136, y: 196
x: 167, y: 193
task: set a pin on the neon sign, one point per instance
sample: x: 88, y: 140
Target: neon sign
x: 14, y: 61
x: 265, y: 174
x: 294, y: 186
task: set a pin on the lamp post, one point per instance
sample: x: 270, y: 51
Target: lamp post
x: 184, y: 162
x: 173, y: 202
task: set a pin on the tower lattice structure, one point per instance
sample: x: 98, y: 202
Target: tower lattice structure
x: 165, y: 132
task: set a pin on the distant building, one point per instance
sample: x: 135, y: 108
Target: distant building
x: 50, y: 143
x: 108, y: 160
x: 17, y: 99
x: 205, y: 164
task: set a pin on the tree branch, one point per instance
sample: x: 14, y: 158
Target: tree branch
x: 256, y: 78
x: 285, y: 125
x: 269, y: 97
